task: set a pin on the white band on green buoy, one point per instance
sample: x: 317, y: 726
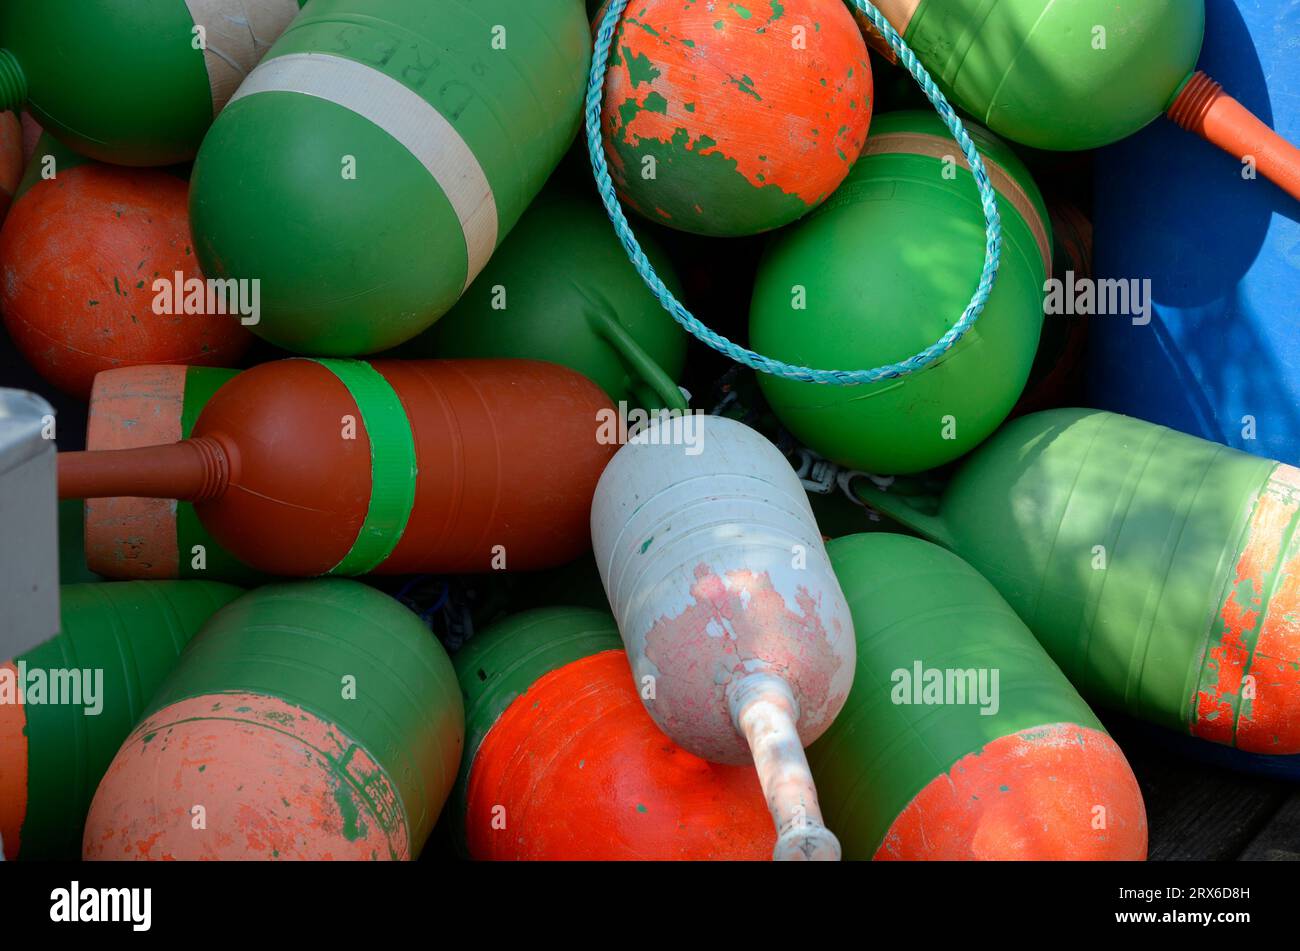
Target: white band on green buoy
x: 408, y: 118
x: 236, y: 35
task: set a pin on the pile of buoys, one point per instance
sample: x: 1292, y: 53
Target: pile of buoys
x: 316, y: 720
x: 126, y: 538
x: 86, y: 257
x: 569, y: 296
x: 562, y: 762
x: 438, y: 465
x: 1152, y: 565
x: 67, y: 705
x: 961, y: 739
x: 882, y: 271
x: 134, y: 84
x: 732, y: 119
x: 740, y: 641
x: 366, y: 190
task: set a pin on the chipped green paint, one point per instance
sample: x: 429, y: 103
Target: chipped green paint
x: 645, y: 545
x: 743, y: 11
x: 639, y: 68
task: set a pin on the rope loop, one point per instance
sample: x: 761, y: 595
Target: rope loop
x: 918, y: 361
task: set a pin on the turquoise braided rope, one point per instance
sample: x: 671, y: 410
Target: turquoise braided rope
x: 988, y: 198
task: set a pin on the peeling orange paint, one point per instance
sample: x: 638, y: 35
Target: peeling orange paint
x: 13, y: 770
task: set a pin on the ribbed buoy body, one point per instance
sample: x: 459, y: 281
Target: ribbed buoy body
x: 372, y: 163
x: 135, y: 83
x: 883, y: 271
x: 961, y: 739
x: 125, y: 538
x: 81, y: 693
x: 1198, y: 335
x: 317, y: 720
x: 1159, y: 570
x: 561, y: 289
x: 82, y: 256
x: 733, y: 621
x: 733, y: 119
x: 562, y: 762
x: 307, y: 467
x: 1064, y: 76
x: 11, y: 159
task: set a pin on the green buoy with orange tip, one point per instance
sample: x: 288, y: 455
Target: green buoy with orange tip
x: 732, y: 119
x: 82, y: 692
x: 1080, y: 75
x: 126, y: 538
x: 561, y: 289
x: 317, y: 720
x: 563, y: 763
x: 82, y: 255
x: 376, y: 158
x: 135, y: 83
x: 961, y: 739
x: 1160, y: 571
x: 302, y: 468
x: 881, y: 272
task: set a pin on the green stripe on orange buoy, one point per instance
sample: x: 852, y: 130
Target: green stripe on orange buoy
x: 52, y: 755
x: 562, y: 761
x: 313, y: 721
x: 971, y: 741
x: 1248, y: 693
x: 392, y: 465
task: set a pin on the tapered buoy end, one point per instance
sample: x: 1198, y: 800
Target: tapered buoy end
x: 13, y: 84
x: 1204, y: 108
x: 812, y: 843
x: 192, y: 470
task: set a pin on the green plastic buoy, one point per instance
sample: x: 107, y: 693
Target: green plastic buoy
x: 1158, y: 569
x: 561, y: 289
x: 960, y: 738
x: 372, y: 163
x: 118, y: 643
x: 133, y: 83
x: 311, y: 721
x: 882, y: 271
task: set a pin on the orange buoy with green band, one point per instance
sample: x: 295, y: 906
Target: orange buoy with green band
x: 734, y: 118
x: 881, y: 271
x: 961, y: 739
x: 375, y: 159
x: 118, y: 643
x: 135, y: 83
x: 82, y: 255
x: 1160, y: 571
x: 317, y: 720
x: 309, y: 467
x: 563, y: 763
x: 128, y: 538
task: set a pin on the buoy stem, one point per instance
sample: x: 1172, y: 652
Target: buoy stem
x: 13, y: 84
x: 765, y: 712
x: 193, y: 470
x: 1204, y: 108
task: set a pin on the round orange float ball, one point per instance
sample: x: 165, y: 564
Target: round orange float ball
x: 728, y: 118
x: 79, y: 257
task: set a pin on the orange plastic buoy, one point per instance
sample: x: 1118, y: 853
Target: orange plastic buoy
x: 730, y: 118
x: 563, y: 763
x: 79, y: 257
x: 309, y: 467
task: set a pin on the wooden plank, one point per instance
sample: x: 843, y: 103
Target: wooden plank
x: 1279, y: 841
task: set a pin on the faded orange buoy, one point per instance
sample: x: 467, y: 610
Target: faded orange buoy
x: 79, y: 257
x: 563, y: 763
x: 317, y: 720
x: 732, y: 119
